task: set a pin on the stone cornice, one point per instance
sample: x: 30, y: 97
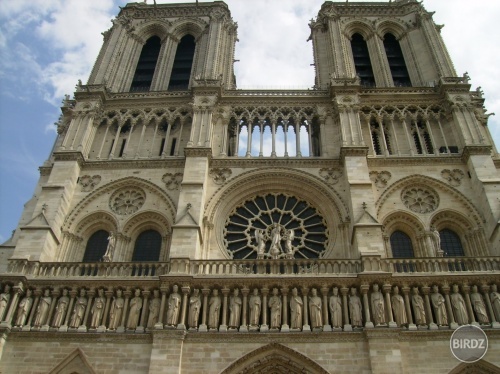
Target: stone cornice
x: 414, y: 160
x: 298, y: 162
x: 361, y: 151
x: 475, y: 150
x: 198, y: 152
x: 170, y: 163
x: 90, y: 337
x: 69, y: 156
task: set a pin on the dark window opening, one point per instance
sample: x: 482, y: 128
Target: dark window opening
x: 418, y: 145
x: 183, y: 63
x: 145, y: 70
x: 162, y: 145
x: 147, y: 246
x: 362, y: 61
x: 96, y: 246
x: 111, y: 148
x: 122, y: 148
x: 401, y: 245
x: 172, y: 148
x: 428, y: 143
x: 397, y: 64
x: 451, y: 244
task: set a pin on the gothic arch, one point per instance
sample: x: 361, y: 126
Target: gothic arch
x: 296, y: 183
x: 100, y: 220
x: 274, y: 358
x: 146, y: 221
x: 479, y: 367
x: 359, y: 26
x: 183, y: 26
x: 407, y: 223
x: 390, y: 26
x: 75, y: 362
x: 153, y: 28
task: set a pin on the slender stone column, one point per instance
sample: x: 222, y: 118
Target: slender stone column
x: 347, y: 325
x: 18, y: 290
x: 387, y: 291
x: 244, y: 309
x: 249, y: 140
x: 142, y: 322
x: 364, y: 291
x: 55, y: 295
x: 472, y: 319
x: 485, y: 288
x: 83, y: 326
x: 264, y: 327
x: 109, y: 295
x: 159, y: 324
x: 451, y: 318
x: 204, y: 314
x: 127, y: 293
x: 406, y: 291
x: 273, y: 133
x: 284, y: 326
x: 297, y: 138
x: 326, y: 320
x: 185, y: 295
x: 117, y: 136
x: 428, y: 309
x: 261, y: 151
x: 72, y: 294
x: 305, y: 310
x: 223, y: 326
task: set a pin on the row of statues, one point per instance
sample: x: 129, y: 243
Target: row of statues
x: 253, y: 310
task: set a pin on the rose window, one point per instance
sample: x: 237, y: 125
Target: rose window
x: 127, y: 200
x: 275, y: 226
x: 420, y: 199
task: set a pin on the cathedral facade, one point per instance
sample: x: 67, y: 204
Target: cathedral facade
x: 184, y: 225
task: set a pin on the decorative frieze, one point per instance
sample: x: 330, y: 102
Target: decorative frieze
x: 172, y: 181
x: 380, y: 178
x: 331, y: 175
x: 220, y: 175
x: 89, y: 182
x: 454, y: 177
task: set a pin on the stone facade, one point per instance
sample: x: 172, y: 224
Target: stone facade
x: 347, y: 228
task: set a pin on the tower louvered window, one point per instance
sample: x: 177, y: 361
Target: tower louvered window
x: 397, y: 64
x: 362, y: 60
x: 183, y: 63
x: 146, y: 66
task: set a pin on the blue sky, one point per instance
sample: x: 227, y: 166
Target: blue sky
x: 46, y: 46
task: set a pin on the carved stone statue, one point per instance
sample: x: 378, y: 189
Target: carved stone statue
x: 61, y: 308
x: 235, y: 309
x: 261, y: 243
x: 23, y: 309
x: 458, y: 306
x: 315, y: 305
x: 290, y: 235
x: 194, y: 309
x: 135, y: 307
x: 98, y: 309
x: 255, y: 305
x: 398, y: 307
x: 495, y: 301
x: 79, y: 310
x: 4, y: 301
x: 116, y: 311
x: 437, y: 239
x: 214, y: 305
x: 335, y: 305
x: 439, y: 305
x: 42, y: 312
x: 418, y: 308
x: 378, y: 306
x: 154, y: 310
x: 275, y: 307
x: 275, y: 249
x: 110, y: 250
x: 174, y: 306
x: 296, y: 305
x: 479, y: 307
x: 355, y: 309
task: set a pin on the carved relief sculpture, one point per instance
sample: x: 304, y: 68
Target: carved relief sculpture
x: 378, y: 306
x: 439, y: 305
x: 355, y: 309
x: 174, y: 305
x: 194, y: 309
x: 235, y: 309
x: 398, y: 307
x: 418, y: 308
x: 479, y: 307
x: 98, y: 309
x: 335, y: 305
x: 315, y: 305
x: 110, y: 250
x: 458, y: 306
x: 79, y: 310
x: 42, y: 311
x: 261, y: 243
x: 214, y: 310
x: 495, y: 301
x: 134, y: 310
x: 154, y: 309
x: 275, y: 307
x: 296, y: 304
x: 23, y: 309
x: 61, y: 308
x: 420, y: 199
x: 4, y: 300
x: 255, y: 305
x: 116, y: 311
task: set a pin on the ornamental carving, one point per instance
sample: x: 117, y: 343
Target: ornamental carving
x: 89, y: 182
x: 420, y: 199
x: 275, y: 226
x: 172, y: 181
x: 127, y: 200
x: 454, y: 177
x: 220, y: 175
x: 330, y: 175
x: 380, y: 178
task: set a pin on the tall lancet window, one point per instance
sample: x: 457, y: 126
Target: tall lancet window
x: 183, y: 63
x: 397, y: 64
x: 145, y: 70
x: 362, y: 60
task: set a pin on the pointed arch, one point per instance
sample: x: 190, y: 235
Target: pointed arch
x: 275, y: 358
x: 188, y: 25
x: 75, y: 362
x: 480, y: 366
x: 146, y: 30
x: 406, y: 223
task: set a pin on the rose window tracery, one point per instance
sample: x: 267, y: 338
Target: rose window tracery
x: 127, y: 200
x: 420, y: 199
x: 275, y: 226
